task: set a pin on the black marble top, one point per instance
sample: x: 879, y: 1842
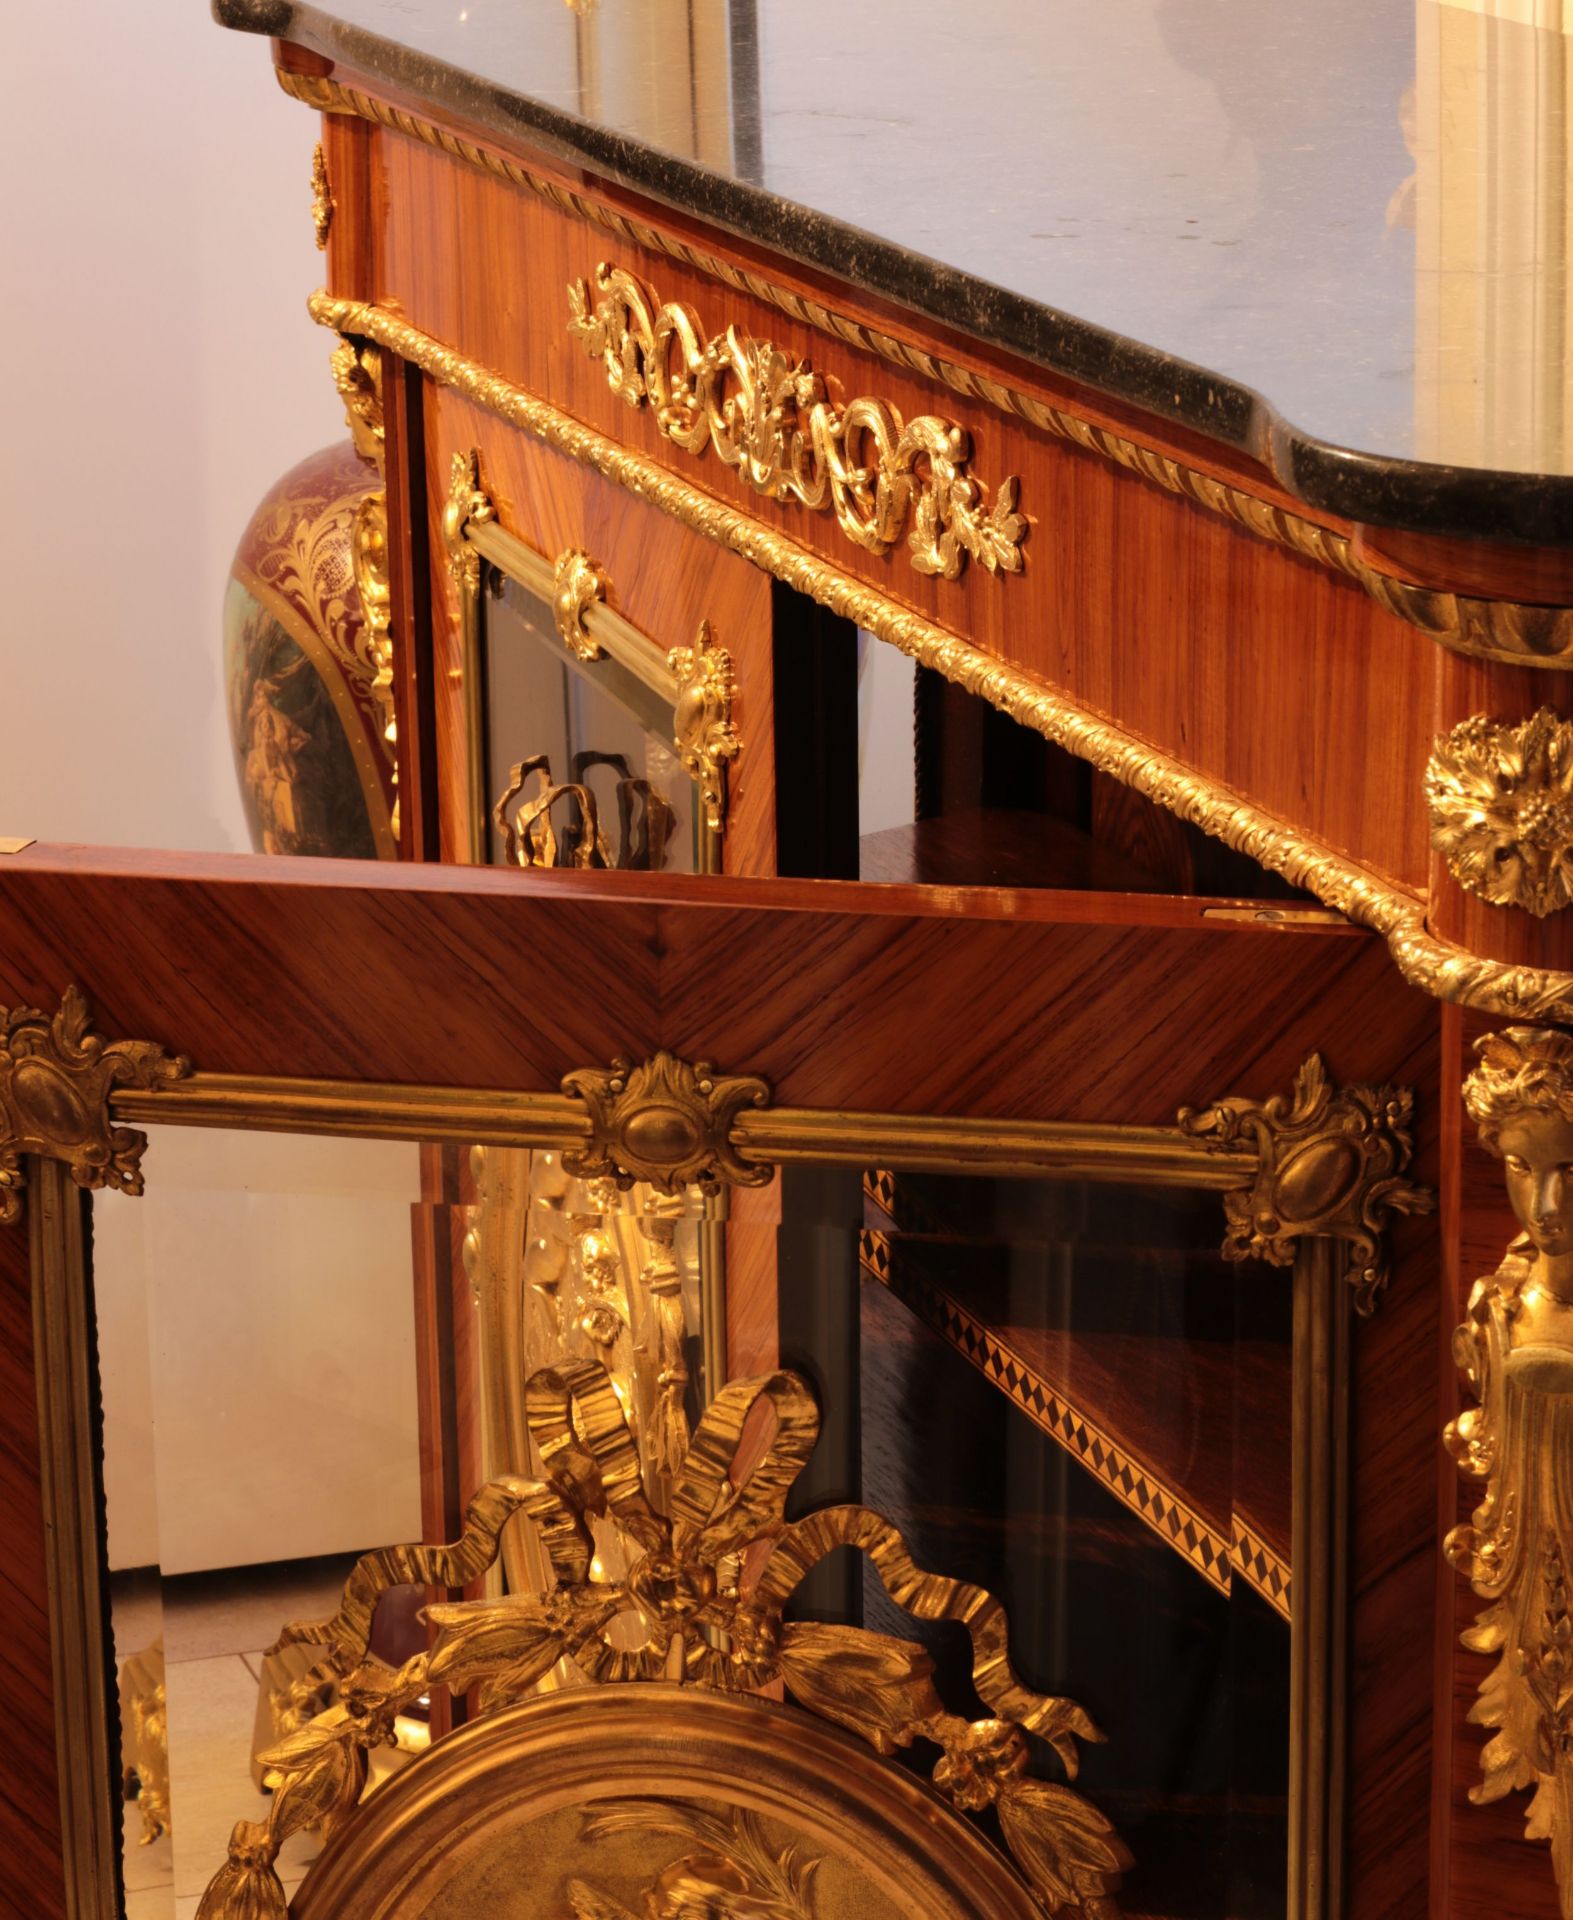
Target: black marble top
x: 1330, y: 233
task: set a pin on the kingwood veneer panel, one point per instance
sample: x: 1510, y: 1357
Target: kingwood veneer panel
x: 1262, y: 671
x: 888, y: 997
x: 31, y: 1882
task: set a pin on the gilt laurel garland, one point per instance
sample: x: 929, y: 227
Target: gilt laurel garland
x: 1517, y: 633
x: 1435, y: 966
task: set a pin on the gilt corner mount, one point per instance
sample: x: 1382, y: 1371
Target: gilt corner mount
x: 1331, y: 1161
x: 56, y: 1078
x: 780, y: 424
x: 1515, y: 1349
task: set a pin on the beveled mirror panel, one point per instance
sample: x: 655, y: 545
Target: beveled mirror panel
x: 303, y: 1359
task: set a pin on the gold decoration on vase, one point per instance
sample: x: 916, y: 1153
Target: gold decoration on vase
x: 1331, y: 1161
x: 577, y: 583
x: 1436, y: 966
x: 56, y: 1077
x: 666, y: 1122
x: 323, y: 204
x: 776, y: 420
x: 702, y: 720
x: 357, y: 372
x: 1516, y: 1351
x: 298, y: 624
x: 699, y: 1600
x: 1501, y: 800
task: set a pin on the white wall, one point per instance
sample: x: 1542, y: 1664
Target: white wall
x: 160, y: 372
x: 257, y: 1335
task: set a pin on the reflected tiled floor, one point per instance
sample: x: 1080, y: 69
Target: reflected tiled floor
x: 215, y: 1628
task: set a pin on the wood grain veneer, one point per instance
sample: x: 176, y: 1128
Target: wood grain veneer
x: 32, y: 1882
x: 1134, y: 602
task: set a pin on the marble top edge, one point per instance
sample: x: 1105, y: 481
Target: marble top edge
x: 1372, y: 487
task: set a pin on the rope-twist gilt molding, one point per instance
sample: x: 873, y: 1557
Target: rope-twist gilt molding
x: 1505, y: 630
x: 1435, y: 966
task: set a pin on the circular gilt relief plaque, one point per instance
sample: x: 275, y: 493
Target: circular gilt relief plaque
x: 652, y: 1802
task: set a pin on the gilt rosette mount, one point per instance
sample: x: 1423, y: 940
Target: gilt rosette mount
x: 56, y: 1076
x: 1501, y: 803
x: 692, y: 1594
x: 784, y: 428
x: 1331, y: 1160
x: 666, y: 1122
x: 1515, y: 1349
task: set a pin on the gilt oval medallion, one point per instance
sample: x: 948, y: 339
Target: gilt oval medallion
x: 1315, y: 1179
x: 651, y: 1802
x: 47, y: 1104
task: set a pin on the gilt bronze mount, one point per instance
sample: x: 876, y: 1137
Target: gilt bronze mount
x: 56, y: 1079
x: 774, y: 419
x: 665, y: 1122
x: 1515, y: 1349
x: 1501, y: 802
x: 1330, y: 1161
x: 700, y: 1604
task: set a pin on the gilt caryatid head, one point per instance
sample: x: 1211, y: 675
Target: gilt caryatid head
x: 1521, y: 1098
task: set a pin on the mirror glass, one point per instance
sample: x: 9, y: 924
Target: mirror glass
x: 578, y: 726
x: 310, y: 1348
x: 1057, y: 1390
x: 1062, y: 1392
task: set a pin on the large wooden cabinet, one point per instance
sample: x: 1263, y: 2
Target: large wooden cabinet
x: 1099, y: 1156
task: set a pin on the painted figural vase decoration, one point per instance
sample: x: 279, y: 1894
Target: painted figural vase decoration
x: 1516, y: 1350
x: 306, y: 718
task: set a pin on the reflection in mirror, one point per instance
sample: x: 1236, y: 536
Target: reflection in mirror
x: 257, y: 1356
x: 581, y: 769
x: 1061, y: 1392
x: 312, y: 1348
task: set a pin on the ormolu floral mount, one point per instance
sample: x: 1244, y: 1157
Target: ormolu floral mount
x: 700, y: 1602
x: 1331, y: 1160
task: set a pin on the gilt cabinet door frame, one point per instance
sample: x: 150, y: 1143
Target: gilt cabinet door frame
x: 458, y: 990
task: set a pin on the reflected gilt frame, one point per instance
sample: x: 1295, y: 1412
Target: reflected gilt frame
x: 693, y: 681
